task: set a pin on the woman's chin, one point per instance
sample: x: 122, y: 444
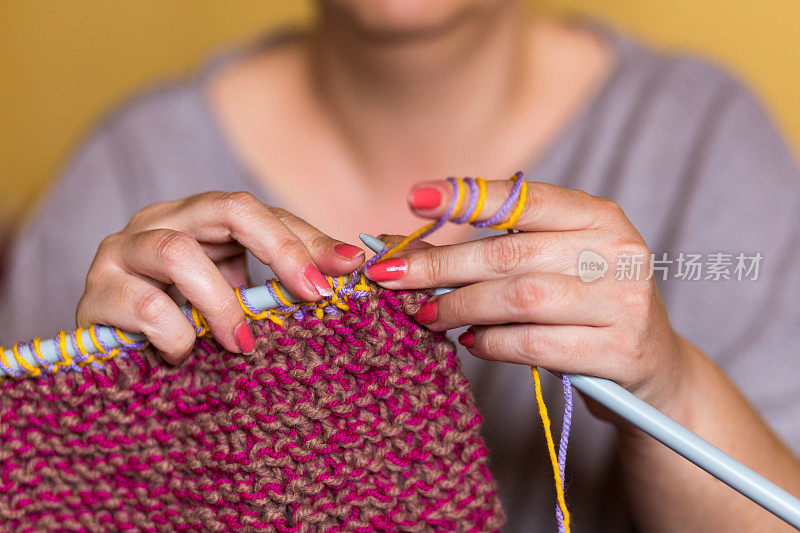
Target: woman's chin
x: 405, y: 18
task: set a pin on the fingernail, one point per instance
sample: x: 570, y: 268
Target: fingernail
x: 348, y: 251
x: 466, y: 339
x: 425, y: 198
x: 244, y: 339
x: 388, y: 270
x: 427, y: 313
x: 317, y: 280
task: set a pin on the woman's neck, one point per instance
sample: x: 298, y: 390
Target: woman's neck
x: 413, y: 105
x: 333, y: 111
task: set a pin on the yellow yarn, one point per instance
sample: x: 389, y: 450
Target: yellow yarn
x: 122, y: 336
x: 514, y: 216
x: 281, y: 297
x: 405, y: 242
x: 34, y: 370
x: 37, y: 347
x: 459, y: 195
x: 551, y: 448
x: 99, y: 353
x: 66, y: 359
x: 95, y: 340
x: 102, y: 354
x: 202, y: 328
x: 481, y: 183
x: 248, y: 313
x: 199, y: 322
x: 459, y: 192
x: 81, y: 348
x: 506, y: 225
x: 3, y: 357
x: 337, y: 299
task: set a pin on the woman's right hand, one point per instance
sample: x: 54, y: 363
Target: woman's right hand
x: 198, y: 245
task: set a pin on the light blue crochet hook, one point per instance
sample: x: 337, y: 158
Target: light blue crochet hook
x: 259, y: 298
x: 674, y: 436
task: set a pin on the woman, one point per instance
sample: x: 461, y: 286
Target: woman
x: 337, y: 124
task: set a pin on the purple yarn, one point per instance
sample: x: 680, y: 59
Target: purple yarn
x: 439, y: 223
x: 79, y: 357
x: 562, y: 445
x: 105, y: 348
x: 296, y: 310
x: 246, y: 302
x: 279, y: 306
x: 40, y: 360
x: 10, y: 371
x: 473, y: 201
x: 187, y: 312
x: 507, y: 206
x: 566, y: 424
x: 498, y: 217
x: 137, y: 345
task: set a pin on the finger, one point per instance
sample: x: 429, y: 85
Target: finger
x: 222, y: 252
x: 572, y: 349
x: 394, y: 239
x: 493, y: 257
x: 386, y: 270
x: 332, y: 256
x: 547, y: 207
x: 219, y: 217
x: 235, y: 270
x: 175, y: 258
x: 536, y: 298
x: 132, y: 304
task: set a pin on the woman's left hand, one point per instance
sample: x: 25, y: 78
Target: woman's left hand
x: 525, y: 302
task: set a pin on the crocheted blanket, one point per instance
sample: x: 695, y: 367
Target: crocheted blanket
x: 359, y: 420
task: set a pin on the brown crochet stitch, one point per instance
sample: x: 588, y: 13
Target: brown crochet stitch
x: 357, y: 421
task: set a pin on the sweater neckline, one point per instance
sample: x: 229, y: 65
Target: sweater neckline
x: 621, y: 47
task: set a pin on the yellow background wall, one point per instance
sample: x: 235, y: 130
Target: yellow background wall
x: 63, y: 62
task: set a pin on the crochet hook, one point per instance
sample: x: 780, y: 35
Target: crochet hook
x: 259, y: 298
x: 673, y: 435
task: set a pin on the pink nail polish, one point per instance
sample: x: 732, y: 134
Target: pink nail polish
x: 467, y: 339
x: 244, y: 339
x: 427, y: 313
x: 317, y: 280
x: 348, y: 251
x: 388, y: 270
x: 425, y: 198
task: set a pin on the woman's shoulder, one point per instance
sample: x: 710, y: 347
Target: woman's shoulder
x: 160, y: 143
x: 171, y: 110
x: 681, y: 115
x: 683, y: 83
x: 179, y: 105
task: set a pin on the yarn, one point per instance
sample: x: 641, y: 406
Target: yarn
x: 359, y: 420
x: 99, y: 352
x: 562, y: 449
x: 502, y: 220
x: 346, y: 290
x: 562, y: 514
